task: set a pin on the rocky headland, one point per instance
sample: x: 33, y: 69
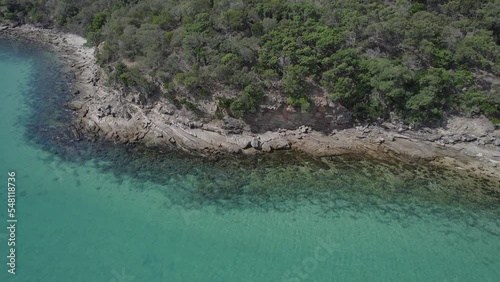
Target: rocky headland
x: 468, y: 145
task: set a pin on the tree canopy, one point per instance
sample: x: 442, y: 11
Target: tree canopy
x: 413, y: 60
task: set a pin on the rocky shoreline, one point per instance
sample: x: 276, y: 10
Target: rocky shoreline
x: 469, y: 145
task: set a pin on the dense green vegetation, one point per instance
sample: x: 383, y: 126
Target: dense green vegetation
x: 410, y: 60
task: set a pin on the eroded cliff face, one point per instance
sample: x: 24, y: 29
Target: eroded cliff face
x: 324, y: 117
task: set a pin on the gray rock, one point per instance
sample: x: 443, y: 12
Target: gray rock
x: 243, y: 143
x: 400, y: 136
x: 468, y: 138
x: 388, y: 125
x: 402, y: 128
x: 433, y: 138
x: 255, y: 143
x: 497, y: 142
x: 168, y: 110
x: 106, y: 111
x: 452, y: 139
x: 124, y: 113
x: 233, y: 126
x: 75, y: 105
x: 343, y: 119
x: 440, y: 144
x: 234, y: 149
x: 304, y: 129
x: 280, y: 144
x: 137, y: 98
x: 195, y: 124
x: 489, y: 140
x: 266, y: 147
x: 485, y: 140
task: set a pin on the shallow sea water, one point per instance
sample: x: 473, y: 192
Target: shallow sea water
x: 103, y: 212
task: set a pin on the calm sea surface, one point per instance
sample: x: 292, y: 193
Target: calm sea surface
x: 102, y: 212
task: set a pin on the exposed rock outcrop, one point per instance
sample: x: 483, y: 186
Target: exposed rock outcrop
x: 323, y: 118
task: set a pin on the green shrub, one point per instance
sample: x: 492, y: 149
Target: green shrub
x: 270, y: 74
x: 294, y: 84
x: 302, y: 103
x: 224, y: 102
x: 97, y: 22
x: 248, y: 102
x: 481, y: 102
x: 219, y: 115
x: 189, y: 105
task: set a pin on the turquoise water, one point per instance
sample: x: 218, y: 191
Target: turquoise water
x: 102, y: 212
